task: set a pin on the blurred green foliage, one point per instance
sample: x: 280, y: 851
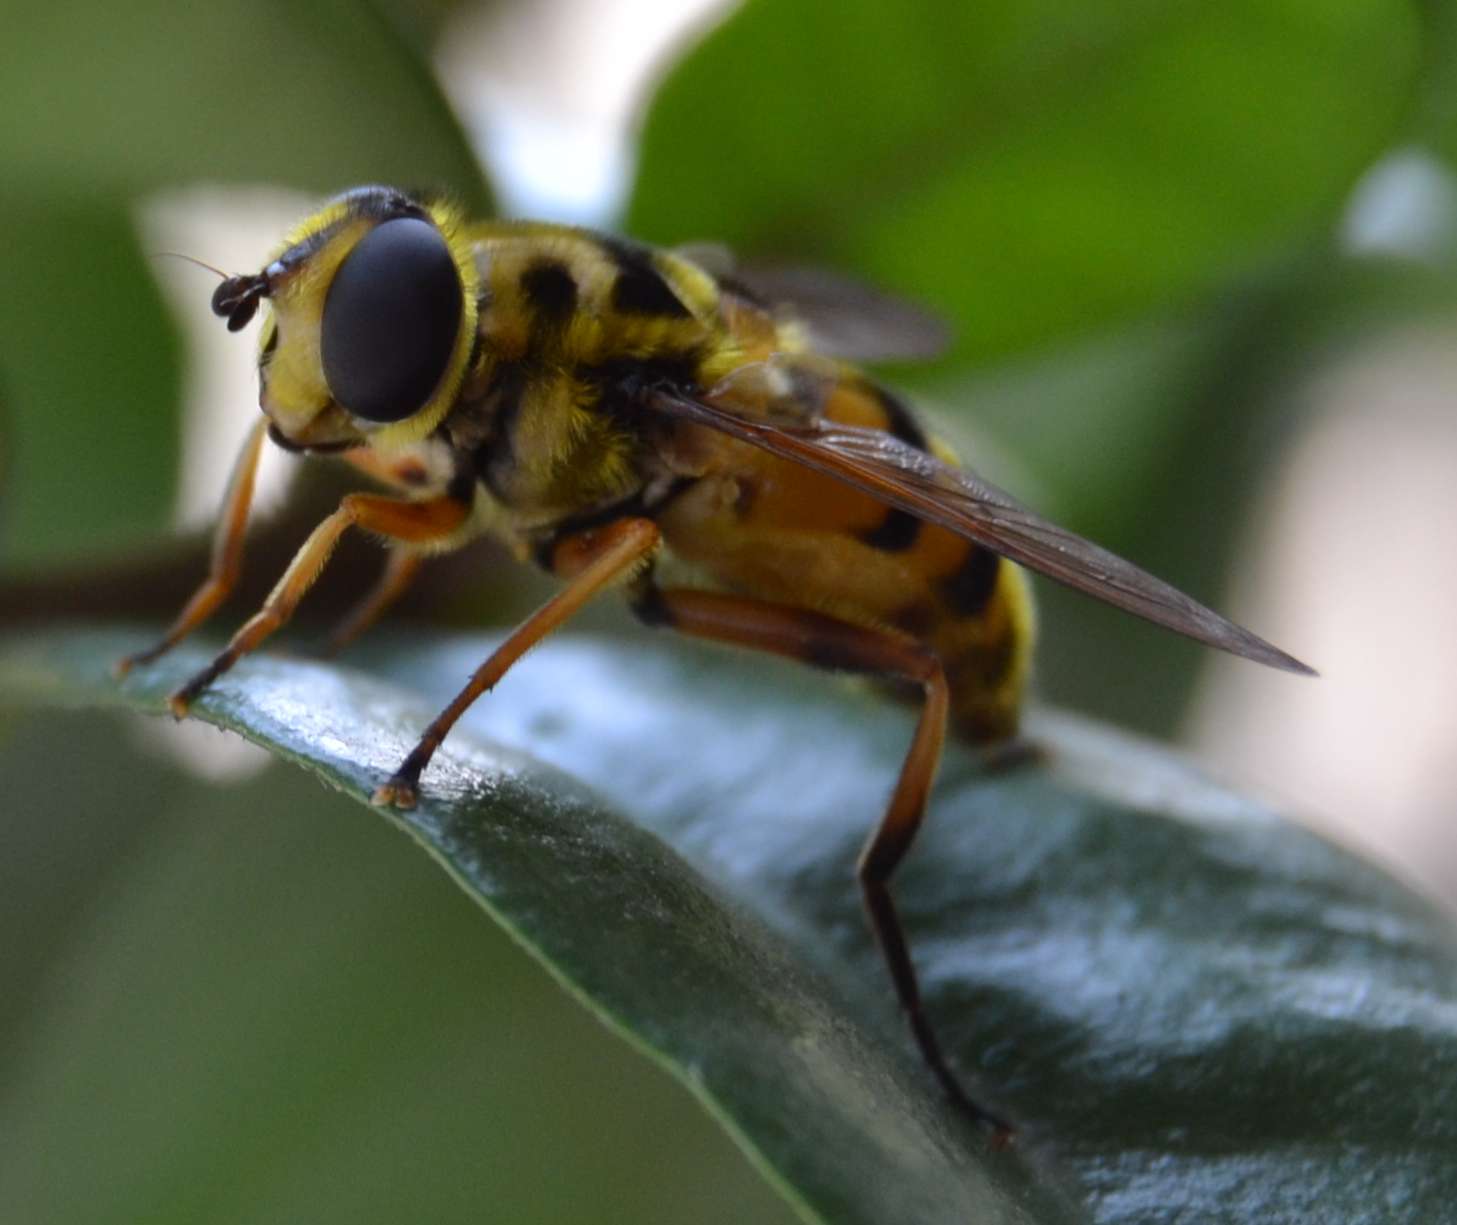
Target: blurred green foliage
x: 89, y: 380
x: 1129, y: 211
x: 1032, y: 169
x: 105, y: 103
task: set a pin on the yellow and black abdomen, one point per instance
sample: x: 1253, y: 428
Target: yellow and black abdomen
x: 772, y: 529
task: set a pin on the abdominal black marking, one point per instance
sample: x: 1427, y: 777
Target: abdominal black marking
x: 968, y: 588
x: 900, y: 421
x: 896, y: 533
x: 899, y: 530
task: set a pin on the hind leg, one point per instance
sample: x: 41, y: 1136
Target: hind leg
x: 830, y: 643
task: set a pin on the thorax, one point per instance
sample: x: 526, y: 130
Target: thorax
x: 569, y: 321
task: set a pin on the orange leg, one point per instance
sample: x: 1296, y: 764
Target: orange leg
x: 414, y: 522
x: 227, y: 553
x: 591, y: 561
x: 399, y: 572
x: 826, y: 642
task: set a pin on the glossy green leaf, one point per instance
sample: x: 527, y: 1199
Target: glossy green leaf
x: 1192, y: 1008
x: 1034, y: 170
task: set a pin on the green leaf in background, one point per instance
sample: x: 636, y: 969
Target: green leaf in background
x: 89, y: 377
x: 1034, y: 170
x: 106, y: 103
x: 1435, y: 124
x: 1193, y: 1009
x: 125, y: 99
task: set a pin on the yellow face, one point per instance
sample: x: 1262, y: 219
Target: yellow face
x: 373, y: 313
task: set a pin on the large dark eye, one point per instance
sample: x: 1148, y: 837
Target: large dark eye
x: 390, y: 320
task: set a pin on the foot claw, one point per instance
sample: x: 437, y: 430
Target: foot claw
x: 127, y: 662
x: 179, y: 704
x: 397, y: 793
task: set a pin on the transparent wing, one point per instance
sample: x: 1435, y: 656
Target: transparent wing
x: 841, y: 316
x: 901, y: 476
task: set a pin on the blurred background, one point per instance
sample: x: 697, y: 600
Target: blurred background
x: 1202, y: 270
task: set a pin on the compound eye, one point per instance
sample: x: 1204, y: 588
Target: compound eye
x: 390, y: 320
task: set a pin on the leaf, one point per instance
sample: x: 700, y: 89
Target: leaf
x: 252, y: 1002
x: 1033, y: 170
x: 88, y: 385
x: 1435, y: 124
x: 116, y: 101
x: 1192, y: 1008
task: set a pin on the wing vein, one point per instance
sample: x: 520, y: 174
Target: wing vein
x: 899, y: 475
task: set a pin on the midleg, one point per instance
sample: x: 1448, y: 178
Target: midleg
x: 400, y: 570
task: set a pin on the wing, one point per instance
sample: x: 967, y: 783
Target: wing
x: 899, y: 475
x: 842, y: 317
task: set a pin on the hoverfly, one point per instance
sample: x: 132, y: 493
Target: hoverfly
x: 600, y: 406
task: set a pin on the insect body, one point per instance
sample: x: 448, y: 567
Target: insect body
x: 613, y: 412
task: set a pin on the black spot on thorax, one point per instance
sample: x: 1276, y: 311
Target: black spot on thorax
x: 640, y: 289
x: 550, y: 290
